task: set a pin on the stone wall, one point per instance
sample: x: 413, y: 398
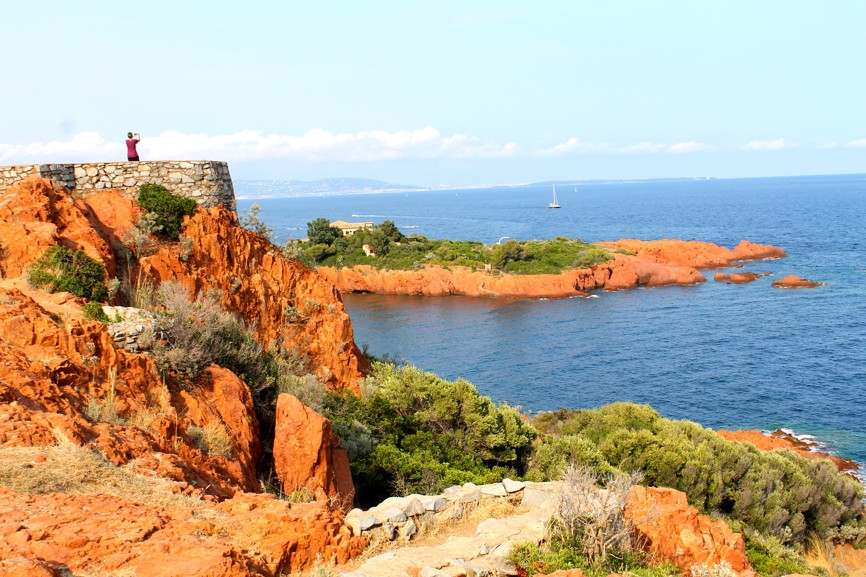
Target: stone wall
x: 206, y: 181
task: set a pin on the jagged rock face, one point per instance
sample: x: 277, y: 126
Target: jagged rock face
x: 285, y: 301
x: 51, y: 371
x: 695, y: 254
x: 673, y: 531
x: 248, y: 535
x: 35, y: 215
x: 307, y: 454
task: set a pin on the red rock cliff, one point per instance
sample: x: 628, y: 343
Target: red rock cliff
x: 284, y: 300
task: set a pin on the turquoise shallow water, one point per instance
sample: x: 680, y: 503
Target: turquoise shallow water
x: 726, y: 356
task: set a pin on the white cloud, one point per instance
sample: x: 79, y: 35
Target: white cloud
x: 857, y: 143
x: 571, y: 146
x: 643, y: 147
x: 690, y: 146
x: 316, y: 145
x: 778, y: 144
x: 81, y: 147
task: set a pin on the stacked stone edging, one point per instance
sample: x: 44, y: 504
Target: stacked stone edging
x: 404, y: 517
x: 206, y: 181
x: 127, y: 325
x: 484, y: 554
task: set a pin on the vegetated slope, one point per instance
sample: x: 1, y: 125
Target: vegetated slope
x: 79, y: 414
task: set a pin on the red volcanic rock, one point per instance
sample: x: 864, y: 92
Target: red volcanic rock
x: 781, y: 440
x: 307, y: 454
x: 695, y: 253
x: 853, y: 561
x: 35, y: 214
x: 50, y: 373
x: 244, y: 536
x: 673, y: 531
x: 738, y: 277
x: 622, y: 272
x: 286, y: 302
x: 792, y: 281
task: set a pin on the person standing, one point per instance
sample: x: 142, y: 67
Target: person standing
x: 131, y: 141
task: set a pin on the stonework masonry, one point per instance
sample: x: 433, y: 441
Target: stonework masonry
x: 206, y: 181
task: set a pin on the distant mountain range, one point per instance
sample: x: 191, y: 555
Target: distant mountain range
x: 249, y: 189
x: 325, y: 186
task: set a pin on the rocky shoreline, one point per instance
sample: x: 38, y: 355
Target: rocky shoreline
x: 635, y: 264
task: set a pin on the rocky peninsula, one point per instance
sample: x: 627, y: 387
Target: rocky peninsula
x: 634, y: 264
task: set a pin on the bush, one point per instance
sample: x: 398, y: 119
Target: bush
x: 415, y: 432
x: 60, y: 269
x: 93, y: 311
x: 778, y: 493
x: 200, y: 332
x: 213, y: 439
x: 167, y: 209
x: 589, y: 531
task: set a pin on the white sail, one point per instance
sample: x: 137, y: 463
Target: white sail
x: 555, y: 203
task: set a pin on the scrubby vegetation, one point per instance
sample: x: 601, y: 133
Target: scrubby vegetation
x: 776, y: 499
x: 165, y: 211
x: 589, y: 530
x: 412, y: 431
x: 61, y: 269
x: 388, y: 248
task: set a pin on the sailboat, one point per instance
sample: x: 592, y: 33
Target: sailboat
x: 555, y: 203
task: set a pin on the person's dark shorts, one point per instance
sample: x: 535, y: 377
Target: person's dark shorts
x: 132, y: 159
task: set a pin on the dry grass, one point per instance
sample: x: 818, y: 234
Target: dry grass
x: 144, y: 417
x: 69, y: 468
x: 818, y: 555
x: 105, y: 410
x: 213, y: 439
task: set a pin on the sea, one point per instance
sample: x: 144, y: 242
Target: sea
x: 727, y: 356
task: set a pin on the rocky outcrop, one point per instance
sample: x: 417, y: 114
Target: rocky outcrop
x: 696, y: 254
x: 738, y: 277
x: 249, y: 535
x: 286, y: 303
x: 780, y: 439
x: 307, y: 454
x: 671, y: 530
x: 36, y: 214
x: 655, y: 263
x: 793, y: 281
x: 69, y: 377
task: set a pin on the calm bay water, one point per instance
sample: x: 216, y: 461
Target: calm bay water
x: 726, y: 356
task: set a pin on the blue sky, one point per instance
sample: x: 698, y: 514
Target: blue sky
x: 442, y: 92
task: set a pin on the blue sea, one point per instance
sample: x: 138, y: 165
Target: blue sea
x: 726, y: 356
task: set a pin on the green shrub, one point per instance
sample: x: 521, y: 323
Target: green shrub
x: 413, y: 431
x: 393, y: 250
x: 200, y: 332
x: 93, y: 311
x: 167, y: 209
x: 776, y: 493
x: 60, y: 269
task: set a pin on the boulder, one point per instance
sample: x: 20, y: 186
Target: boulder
x: 792, y: 281
x: 307, y: 454
x: 671, y: 530
x: 738, y: 277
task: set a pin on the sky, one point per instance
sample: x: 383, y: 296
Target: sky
x: 443, y: 92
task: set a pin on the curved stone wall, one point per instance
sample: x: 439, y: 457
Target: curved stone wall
x: 206, y: 181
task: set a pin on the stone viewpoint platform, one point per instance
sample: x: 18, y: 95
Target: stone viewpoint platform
x: 206, y: 181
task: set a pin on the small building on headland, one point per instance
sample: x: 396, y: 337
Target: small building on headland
x: 350, y: 228
x: 208, y: 182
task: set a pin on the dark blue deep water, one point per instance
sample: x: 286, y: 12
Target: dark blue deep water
x: 726, y: 356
